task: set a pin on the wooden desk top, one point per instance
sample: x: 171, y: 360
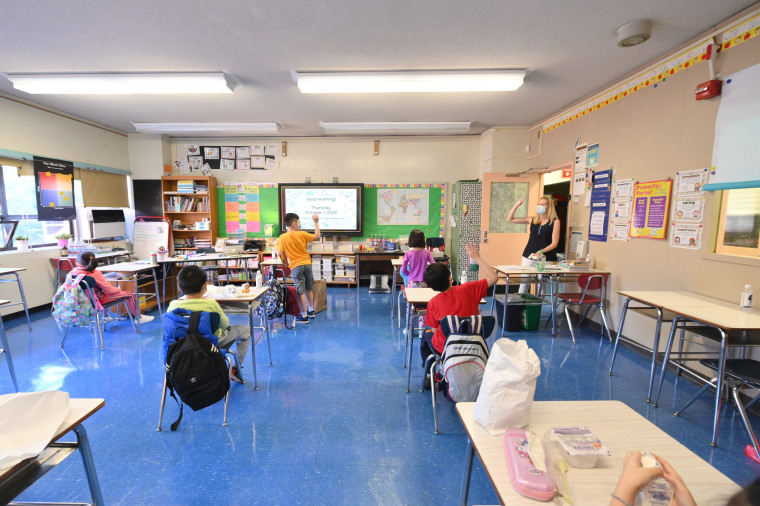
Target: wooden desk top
x: 550, y: 270
x: 727, y: 318
x: 665, y: 298
x: 220, y: 294
x: 419, y: 295
x: 621, y: 430
x: 272, y: 261
x: 209, y: 257
x: 10, y: 270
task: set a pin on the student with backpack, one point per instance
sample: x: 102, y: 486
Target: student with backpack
x: 192, y: 281
x: 87, y: 264
x: 292, y: 245
x: 462, y: 300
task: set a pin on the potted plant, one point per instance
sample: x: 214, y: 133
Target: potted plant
x: 63, y: 239
x: 22, y: 242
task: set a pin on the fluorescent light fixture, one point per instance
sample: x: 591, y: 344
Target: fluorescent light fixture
x: 396, y: 128
x: 122, y: 84
x: 409, y: 81
x: 208, y: 128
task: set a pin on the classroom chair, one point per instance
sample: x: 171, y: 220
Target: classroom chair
x: 229, y: 357
x: 740, y: 373
x: 434, y: 361
x: 6, y: 350
x: 88, y: 285
x: 587, y: 283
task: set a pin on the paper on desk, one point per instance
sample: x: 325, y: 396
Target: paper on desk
x: 28, y: 421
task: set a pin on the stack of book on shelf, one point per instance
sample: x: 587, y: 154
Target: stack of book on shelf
x: 185, y: 186
x: 575, y: 265
x: 201, y: 188
x: 187, y: 204
x: 202, y: 243
x: 316, y: 267
x: 327, y: 268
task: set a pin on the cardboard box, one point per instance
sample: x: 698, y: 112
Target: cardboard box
x: 320, y: 295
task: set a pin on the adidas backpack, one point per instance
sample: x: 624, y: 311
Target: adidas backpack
x: 71, y: 305
x: 196, y: 370
x: 464, y: 356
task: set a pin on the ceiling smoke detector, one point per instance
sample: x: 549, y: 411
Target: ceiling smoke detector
x: 634, y: 33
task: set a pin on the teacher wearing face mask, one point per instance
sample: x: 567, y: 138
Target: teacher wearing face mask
x: 544, y: 233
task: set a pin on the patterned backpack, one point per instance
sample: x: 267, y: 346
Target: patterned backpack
x: 71, y: 306
x: 275, y: 301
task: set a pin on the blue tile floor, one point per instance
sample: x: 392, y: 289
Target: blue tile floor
x: 331, y: 422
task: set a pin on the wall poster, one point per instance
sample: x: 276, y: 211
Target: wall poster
x: 651, y: 202
x: 601, y: 191
x: 55, y: 189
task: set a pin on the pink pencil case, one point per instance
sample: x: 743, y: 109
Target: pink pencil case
x: 526, y: 479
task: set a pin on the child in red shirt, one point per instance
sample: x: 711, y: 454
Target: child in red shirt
x: 462, y: 300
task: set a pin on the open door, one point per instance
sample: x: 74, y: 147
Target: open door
x: 502, y: 243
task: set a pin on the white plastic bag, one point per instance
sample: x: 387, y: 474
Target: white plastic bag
x: 509, y: 382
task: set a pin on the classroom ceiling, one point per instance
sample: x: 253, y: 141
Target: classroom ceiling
x: 569, y: 49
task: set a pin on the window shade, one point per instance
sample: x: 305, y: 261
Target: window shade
x: 101, y: 189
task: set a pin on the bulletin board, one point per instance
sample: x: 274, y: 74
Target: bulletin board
x: 244, y: 209
x: 268, y: 205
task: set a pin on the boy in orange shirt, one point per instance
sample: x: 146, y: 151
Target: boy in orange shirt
x: 292, y: 246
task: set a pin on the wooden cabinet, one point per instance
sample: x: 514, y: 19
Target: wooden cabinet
x: 190, y: 206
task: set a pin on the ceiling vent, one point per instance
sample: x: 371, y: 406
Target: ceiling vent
x: 634, y: 33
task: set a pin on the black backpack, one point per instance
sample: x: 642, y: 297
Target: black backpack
x: 196, y: 370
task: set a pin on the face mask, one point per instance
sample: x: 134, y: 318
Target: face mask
x: 540, y: 209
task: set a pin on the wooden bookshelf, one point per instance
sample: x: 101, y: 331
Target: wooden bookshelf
x: 190, y: 209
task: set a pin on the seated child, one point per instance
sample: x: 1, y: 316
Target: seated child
x: 87, y: 264
x: 462, y: 300
x: 192, y: 281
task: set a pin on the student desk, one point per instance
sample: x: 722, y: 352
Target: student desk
x: 396, y: 264
x: 6, y: 349
x: 13, y: 271
x: 206, y: 257
x: 729, y: 326
x: 657, y: 301
x: 251, y: 301
x: 621, y: 430
x: 134, y: 269
x: 25, y: 473
x: 516, y: 274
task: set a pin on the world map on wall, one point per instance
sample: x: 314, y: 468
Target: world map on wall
x: 403, y: 206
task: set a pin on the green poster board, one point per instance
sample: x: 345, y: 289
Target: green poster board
x: 240, y: 202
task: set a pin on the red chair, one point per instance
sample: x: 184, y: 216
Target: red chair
x: 587, y: 282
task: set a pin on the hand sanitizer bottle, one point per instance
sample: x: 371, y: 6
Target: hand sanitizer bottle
x: 746, y: 300
x: 658, y: 492
x: 463, y: 278
x: 259, y: 279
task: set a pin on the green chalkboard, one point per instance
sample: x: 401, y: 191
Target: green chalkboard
x: 240, y: 201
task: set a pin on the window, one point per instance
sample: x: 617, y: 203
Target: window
x: 19, y: 202
x: 739, y: 230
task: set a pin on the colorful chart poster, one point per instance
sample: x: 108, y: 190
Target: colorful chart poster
x: 651, y: 202
x: 55, y: 189
x: 592, y: 157
x: 242, y: 210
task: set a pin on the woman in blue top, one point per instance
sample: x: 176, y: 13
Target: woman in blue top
x: 544, y: 233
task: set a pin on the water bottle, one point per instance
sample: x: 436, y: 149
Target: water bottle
x: 463, y: 278
x: 746, y: 300
x: 658, y: 492
x: 259, y: 279
x: 541, y: 264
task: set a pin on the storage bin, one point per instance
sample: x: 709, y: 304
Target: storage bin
x: 531, y: 311
x: 514, y: 313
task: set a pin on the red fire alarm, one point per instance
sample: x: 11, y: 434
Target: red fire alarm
x: 709, y: 89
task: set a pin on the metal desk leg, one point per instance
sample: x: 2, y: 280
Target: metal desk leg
x: 23, y: 299
x: 617, y: 343
x: 719, y: 385
x: 266, y: 327
x: 554, y: 290
x: 410, y: 346
x: 7, y: 351
x: 253, y: 343
x: 465, y: 491
x: 655, y: 350
x: 89, y: 465
x: 506, y: 301
x: 666, y: 359
x: 393, y: 290
x: 158, y: 298
x: 137, y: 304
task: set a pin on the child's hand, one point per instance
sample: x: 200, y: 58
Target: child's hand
x: 472, y: 251
x: 315, y: 217
x: 681, y: 494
